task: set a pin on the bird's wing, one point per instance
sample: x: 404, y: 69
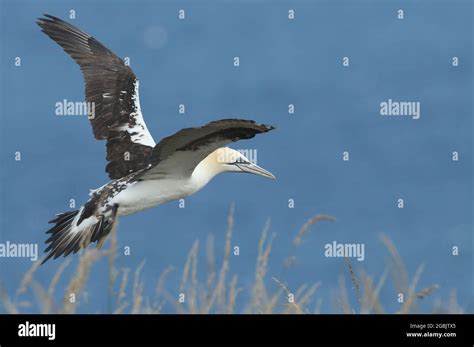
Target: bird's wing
x: 112, y: 87
x: 179, y: 154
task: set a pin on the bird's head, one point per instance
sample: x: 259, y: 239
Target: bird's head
x: 230, y: 160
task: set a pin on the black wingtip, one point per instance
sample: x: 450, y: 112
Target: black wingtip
x: 47, y: 258
x: 42, y: 21
x: 51, y: 17
x: 265, y: 127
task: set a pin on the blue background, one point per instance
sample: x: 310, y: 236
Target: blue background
x: 282, y: 62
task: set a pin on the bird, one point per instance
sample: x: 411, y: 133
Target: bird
x: 142, y: 173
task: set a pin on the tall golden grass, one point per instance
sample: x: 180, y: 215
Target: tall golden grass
x: 219, y: 291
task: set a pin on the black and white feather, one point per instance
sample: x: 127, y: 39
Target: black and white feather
x: 114, y: 89
x: 179, y: 154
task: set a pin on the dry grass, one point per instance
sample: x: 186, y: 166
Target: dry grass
x: 78, y: 281
x: 305, y: 228
x: 219, y: 291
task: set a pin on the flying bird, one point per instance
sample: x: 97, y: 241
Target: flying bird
x: 143, y: 174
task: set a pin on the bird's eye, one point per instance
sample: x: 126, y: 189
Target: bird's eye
x: 240, y: 161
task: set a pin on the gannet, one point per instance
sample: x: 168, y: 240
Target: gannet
x: 143, y: 174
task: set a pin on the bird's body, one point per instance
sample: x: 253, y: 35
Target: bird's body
x: 140, y: 195
x: 143, y: 174
x: 147, y: 194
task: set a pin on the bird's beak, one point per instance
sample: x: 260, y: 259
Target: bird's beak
x: 256, y: 170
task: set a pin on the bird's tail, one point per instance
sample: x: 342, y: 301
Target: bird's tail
x: 75, y: 230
